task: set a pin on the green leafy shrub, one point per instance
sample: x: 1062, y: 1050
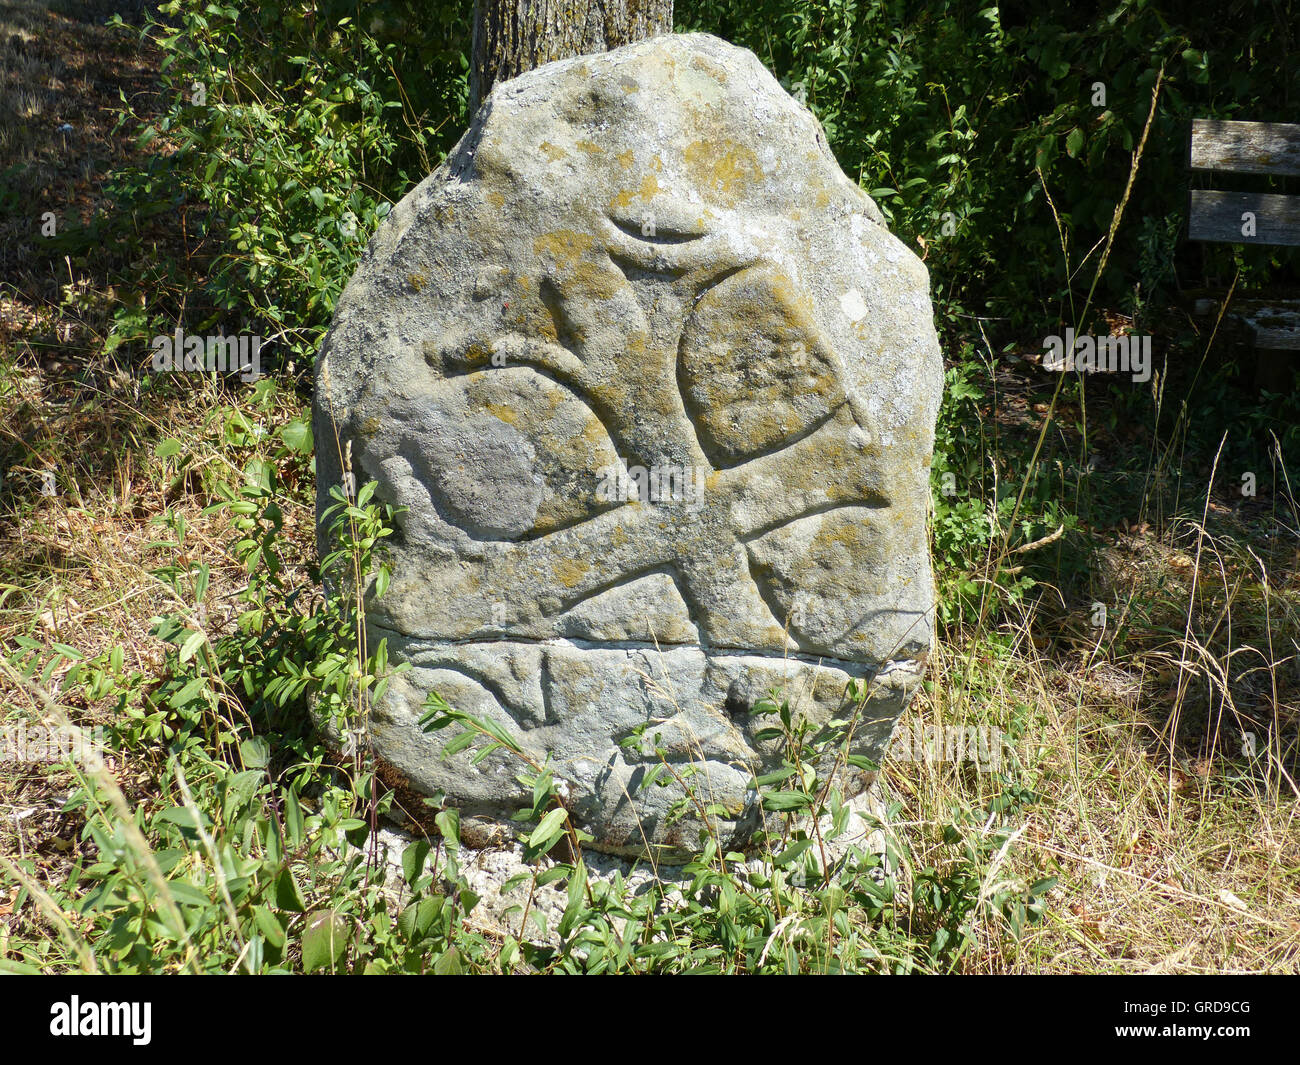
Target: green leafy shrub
x: 947, y: 112
x: 288, y: 129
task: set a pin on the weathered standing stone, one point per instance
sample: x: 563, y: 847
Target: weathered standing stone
x: 643, y: 261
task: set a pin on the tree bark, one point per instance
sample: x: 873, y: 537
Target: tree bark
x: 512, y: 36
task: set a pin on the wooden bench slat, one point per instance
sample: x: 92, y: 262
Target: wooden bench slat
x: 1216, y: 216
x: 1276, y: 323
x: 1251, y: 148
x: 1245, y: 147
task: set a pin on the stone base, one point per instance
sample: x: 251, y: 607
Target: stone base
x: 490, y: 867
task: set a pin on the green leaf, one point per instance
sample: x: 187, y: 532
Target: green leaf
x: 187, y: 894
x: 288, y: 896
x: 183, y: 816
x: 549, y: 830
x: 201, y: 579
x: 293, y: 818
x: 448, y: 822
x: 269, y: 926
x: 786, y: 800
x: 256, y: 752
x: 1042, y: 887
x: 259, y: 473
x: 554, y: 873
x: 413, y: 860
x: 324, y: 940
x: 426, y: 912
x: 191, y: 645
x: 573, y: 911
x: 775, y: 777
x: 497, y: 733
x: 793, y: 852
x: 1074, y: 142
x: 297, y: 436
x: 458, y: 743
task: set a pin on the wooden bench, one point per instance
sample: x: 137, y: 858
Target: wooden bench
x: 1266, y: 218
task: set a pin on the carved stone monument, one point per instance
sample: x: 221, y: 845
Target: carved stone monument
x: 657, y: 388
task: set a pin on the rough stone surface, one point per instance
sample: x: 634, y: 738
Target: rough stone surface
x: 644, y: 261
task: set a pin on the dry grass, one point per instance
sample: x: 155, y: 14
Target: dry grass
x: 1170, y: 857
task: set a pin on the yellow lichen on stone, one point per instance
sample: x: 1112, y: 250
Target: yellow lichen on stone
x: 551, y: 151
x: 722, y: 168
x: 592, y: 281
x: 564, y: 246
x: 850, y: 537
x: 712, y: 69
x: 593, y: 434
x: 536, y: 321
x: 570, y: 571
x: 648, y: 190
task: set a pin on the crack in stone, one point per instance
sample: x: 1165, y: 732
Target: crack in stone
x: 855, y: 668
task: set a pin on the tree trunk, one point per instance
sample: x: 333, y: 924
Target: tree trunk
x: 512, y: 36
